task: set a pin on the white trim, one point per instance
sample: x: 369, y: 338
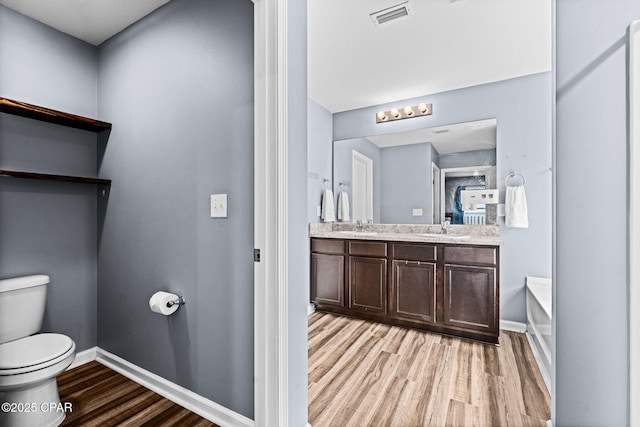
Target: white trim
x: 539, y: 360
x: 83, y: 357
x: 270, y: 220
x: 509, y: 325
x: 186, y: 398
x: 634, y: 223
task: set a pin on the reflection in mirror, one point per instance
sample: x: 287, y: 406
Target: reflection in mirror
x: 423, y: 176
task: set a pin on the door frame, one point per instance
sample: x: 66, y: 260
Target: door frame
x: 271, y: 334
x: 634, y: 221
x: 436, y: 211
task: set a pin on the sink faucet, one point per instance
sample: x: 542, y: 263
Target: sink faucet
x: 444, y: 228
x: 359, y: 225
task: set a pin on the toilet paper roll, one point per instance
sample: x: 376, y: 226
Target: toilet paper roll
x: 158, y: 303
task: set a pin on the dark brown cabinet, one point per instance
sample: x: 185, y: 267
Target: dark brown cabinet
x: 368, y: 284
x: 469, y: 297
x: 367, y: 276
x: 447, y: 288
x: 413, y: 282
x: 327, y: 272
x: 470, y: 288
x: 327, y: 284
x: 413, y: 291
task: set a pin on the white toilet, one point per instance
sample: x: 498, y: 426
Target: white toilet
x: 29, y: 363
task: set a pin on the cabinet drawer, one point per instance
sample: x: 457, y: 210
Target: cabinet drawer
x: 471, y: 255
x: 360, y: 248
x: 414, y: 252
x: 327, y: 246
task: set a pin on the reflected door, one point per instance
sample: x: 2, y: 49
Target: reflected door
x: 362, y: 187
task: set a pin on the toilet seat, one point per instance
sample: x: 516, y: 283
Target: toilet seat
x: 34, y: 353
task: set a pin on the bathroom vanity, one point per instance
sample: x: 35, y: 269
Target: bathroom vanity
x: 410, y: 276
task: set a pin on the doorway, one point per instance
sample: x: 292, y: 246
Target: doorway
x: 362, y: 187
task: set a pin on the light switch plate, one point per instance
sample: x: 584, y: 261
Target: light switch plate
x: 417, y: 212
x: 218, y: 206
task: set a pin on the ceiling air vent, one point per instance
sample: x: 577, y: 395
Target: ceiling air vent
x: 391, y: 13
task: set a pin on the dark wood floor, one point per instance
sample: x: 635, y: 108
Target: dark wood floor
x: 369, y: 374
x: 99, y: 396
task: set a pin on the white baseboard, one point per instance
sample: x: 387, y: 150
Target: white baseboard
x: 194, y: 402
x: 509, y: 325
x: 310, y: 309
x: 186, y: 398
x: 83, y: 357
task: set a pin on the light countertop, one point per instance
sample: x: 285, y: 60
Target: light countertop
x: 474, y: 234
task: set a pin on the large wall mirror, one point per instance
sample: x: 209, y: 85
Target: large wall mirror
x: 423, y: 176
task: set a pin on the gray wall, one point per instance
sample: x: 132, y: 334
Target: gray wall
x: 523, y: 107
x: 405, y: 182
x: 48, y: 227
x: 591, y: 254
x: 178, y: 87
x: 319, y: 156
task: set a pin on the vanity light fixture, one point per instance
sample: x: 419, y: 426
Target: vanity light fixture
x: 404, y: 113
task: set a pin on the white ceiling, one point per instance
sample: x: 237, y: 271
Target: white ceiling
x: 352, y: 63
x: 455, y: 138
x: 443, y: 45
x: 93, y: 21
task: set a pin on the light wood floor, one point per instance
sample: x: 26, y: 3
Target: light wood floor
x: 368, y: 374
x: 102, y: 397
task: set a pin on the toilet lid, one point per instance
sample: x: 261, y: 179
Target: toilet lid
x: 33, y: 350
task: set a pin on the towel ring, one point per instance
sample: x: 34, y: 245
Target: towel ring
x: 513, y: 175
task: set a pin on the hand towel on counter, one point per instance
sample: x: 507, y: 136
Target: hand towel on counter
x: 343, y: 206
x: 515, y: 207
x: 328, y: 209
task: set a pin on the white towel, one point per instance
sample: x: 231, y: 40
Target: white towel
x: 515, y: 207
x: 343, y: 206
x: 328, y: 210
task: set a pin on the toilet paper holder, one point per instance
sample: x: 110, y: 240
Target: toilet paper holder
x: 179, y: 301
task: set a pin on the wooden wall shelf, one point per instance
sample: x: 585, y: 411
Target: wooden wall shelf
x: 50, y: 177
x: 23, y: 109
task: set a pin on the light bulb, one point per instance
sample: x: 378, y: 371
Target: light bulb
x: 395, y: 113
x: 424, y: 108
x: 381, y: 116
x: 408, y: 111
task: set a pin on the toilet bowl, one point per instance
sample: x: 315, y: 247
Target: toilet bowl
x: 29, y: 364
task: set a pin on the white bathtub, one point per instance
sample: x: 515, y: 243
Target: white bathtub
x: 539, y: 323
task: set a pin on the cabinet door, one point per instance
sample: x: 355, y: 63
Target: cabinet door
x: 327, y: 279
x: 368, y: 284
x: 413, y: 291
x: 470, y: 298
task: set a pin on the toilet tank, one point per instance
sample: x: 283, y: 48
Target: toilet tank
x: 22, y: 303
